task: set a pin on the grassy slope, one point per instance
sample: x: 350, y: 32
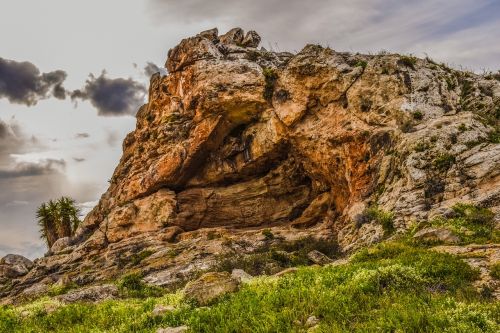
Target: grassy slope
x: 391, y: 287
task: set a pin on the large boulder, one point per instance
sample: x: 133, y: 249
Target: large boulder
x: 210, y: 286
x: 60, y: 244
x: 14, y: 265
x: 16, y: 259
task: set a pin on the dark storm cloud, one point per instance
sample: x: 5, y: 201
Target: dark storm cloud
x: 112, y: 97
x: 22, y: 82
x: 26, y: 169
x: 152, y: 68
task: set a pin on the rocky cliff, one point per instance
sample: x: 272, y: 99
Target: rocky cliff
x: 236, y: 140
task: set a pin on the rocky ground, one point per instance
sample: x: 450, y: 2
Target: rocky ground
x: 241, y: 149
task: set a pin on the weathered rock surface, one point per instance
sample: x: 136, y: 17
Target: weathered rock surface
x: 319, y: 258
x: 90, y: 294
x: 13, y: 266
x: 236, y: 139
x: 437, y: 235
x: 210, y: 286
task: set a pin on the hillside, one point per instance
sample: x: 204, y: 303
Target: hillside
x: 245, y: 158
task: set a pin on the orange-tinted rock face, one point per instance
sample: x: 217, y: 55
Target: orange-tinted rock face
x: 241, y: 139
x: 247, y: 138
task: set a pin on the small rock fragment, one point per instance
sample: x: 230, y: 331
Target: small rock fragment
x: 169, y: 234
x: 252, y: 39
x: 241, y: 275
x: 210, y: 286
x: 312, y: 321
x: 318, y: 258
x: 233, y: 36
x: 211, y: 34
x: 160, y: 310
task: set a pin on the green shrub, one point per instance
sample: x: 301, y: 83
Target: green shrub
x: 268, y: 234
x: 495, y: 271
x: 444, y: 161
x: 361, y: 63
x: 386, y: 219
x: 418, y: 115
x: 60, y: 289
x: 280, y: 255
x: 131, y: 285
x: 270, y: 77
x: 494, y: 136
x: 472, y: 224
x: 421, y: 146
x: 408, y: 61
x: 462, y: 127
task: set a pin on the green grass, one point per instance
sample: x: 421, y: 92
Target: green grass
x: 495, y: 271
x: 408, y: 61
x: 132, y: 286
x: 444, y: 161
x: 386, y: 219
x: 391, y: 287
x: 472, y: 224
x: 277, y: 256
x: 271, y: 77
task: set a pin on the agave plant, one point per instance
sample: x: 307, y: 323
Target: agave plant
x: 57, y: 219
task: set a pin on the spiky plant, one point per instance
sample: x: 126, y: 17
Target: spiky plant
x: 57, y: 219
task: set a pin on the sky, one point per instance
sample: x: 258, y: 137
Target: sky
x: 73, y: 74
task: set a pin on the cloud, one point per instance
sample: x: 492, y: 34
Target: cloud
x: 11, y: 139
x: 112, y: 97
x: 29, y: 169
x: 152, y: 68
x: 22, y: 83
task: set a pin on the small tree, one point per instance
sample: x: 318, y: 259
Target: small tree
x: 57, y: 219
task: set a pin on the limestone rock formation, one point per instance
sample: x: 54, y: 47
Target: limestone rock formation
x: 236, y: 139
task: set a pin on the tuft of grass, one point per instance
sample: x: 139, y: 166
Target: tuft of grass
x: 495, y: 271
x: 408, y: 61
x: 471, y: 223
x: 361, y: 63
x: 444, y: 161
x: 268, y: 234
x: 60, y: 289
x: 418, y: 115
x: 421, y: 146
x: 270, y: 77
x: 386, y: 219
x: 132, y: 286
